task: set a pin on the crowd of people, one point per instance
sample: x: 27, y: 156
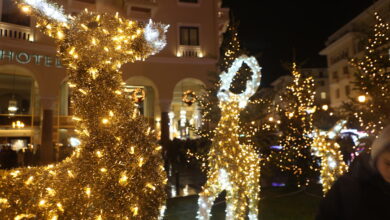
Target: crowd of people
x: 29, y: 156
x: 10, y: 158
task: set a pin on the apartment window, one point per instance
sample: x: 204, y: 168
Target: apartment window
x: 189, y: 36
x: 189, y: 1
x: 12, y: 14
x: 335, y: 75
x: 347, y: 90
x: 323, y: 95
x: 337, y: 93
x: 345, y: 70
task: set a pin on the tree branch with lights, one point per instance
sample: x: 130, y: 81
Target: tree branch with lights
x: 296, y: 115
x: 372, y: 81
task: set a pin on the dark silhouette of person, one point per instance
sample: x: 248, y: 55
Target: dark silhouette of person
x: 364, y: 192
x: 9, y: 158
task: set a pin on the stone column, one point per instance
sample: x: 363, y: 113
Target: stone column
x: 46, y: 151
x: 164, y: 123
x: 165, y: 106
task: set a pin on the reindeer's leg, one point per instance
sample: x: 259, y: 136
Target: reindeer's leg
x: 254, y: 198
x: 206, y: 198
x: 236, y: 204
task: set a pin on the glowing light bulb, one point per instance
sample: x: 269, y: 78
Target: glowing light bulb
x: 105, y: 121
x: 362, y: 98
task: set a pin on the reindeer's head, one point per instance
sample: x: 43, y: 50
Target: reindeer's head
x: 224, y: 93
x: 90, y: 37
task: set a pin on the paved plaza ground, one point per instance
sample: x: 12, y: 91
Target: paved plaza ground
x: 276, y: 204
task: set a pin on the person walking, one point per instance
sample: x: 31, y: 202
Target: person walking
x: 364, y: 192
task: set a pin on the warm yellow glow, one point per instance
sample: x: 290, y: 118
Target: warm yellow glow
x: 42, y: 202
x: 99, y: 154
x: 29, y: 180
x: 60, y: 35
x: 88, y: 191
x: 362, y: 98
x: 325, y: 107
x: 26, y: 9
x: 105, y: 121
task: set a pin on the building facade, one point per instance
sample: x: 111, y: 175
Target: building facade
x: 35, y: 98
x: 321, y: 82
x: 344, y: 44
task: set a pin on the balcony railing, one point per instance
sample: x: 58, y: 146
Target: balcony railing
x: 16, y: 121
x: 189, y: 51
x: 14, y: 31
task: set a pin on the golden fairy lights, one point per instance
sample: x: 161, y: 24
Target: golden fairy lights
x: 100, y: 180
x: 372, y: 107
x: 332, y: 163
x: 296, y: 113
x: 232, y: 166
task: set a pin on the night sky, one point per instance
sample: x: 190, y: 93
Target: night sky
x: 270, y: 29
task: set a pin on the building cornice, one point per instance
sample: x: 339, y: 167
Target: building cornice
x: 182, y: 60
x: 349, y: 27
x: 334, y: 45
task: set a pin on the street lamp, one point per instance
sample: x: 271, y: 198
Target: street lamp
x: 325, y: 107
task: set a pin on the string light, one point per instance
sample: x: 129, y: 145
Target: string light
x: 100, y: 180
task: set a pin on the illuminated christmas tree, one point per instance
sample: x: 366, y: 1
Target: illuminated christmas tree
x: 117, y: 171
x: 372, y: 106
x: 296, y: 111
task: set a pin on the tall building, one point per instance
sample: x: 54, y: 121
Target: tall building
x: 34, y: 95
x: 346, y: 43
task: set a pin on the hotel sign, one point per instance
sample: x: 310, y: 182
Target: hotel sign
x: 26, y: 58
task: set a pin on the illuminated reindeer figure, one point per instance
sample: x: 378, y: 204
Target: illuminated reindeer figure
x: 233, y: 167
x: 117, y: 172
x: 332, y: 163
